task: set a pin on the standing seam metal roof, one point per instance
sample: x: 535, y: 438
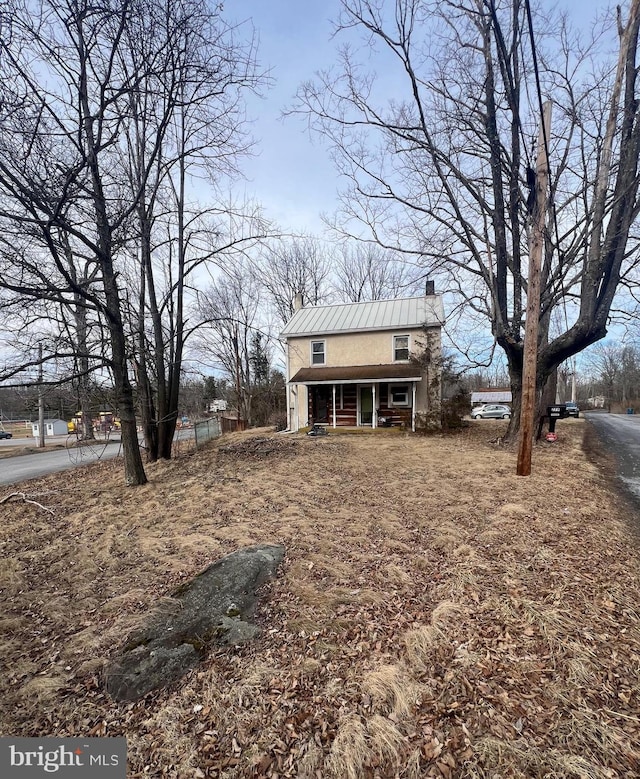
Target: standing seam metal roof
x: 374, y: 315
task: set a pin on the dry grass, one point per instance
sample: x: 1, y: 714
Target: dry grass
x: 436, y: 615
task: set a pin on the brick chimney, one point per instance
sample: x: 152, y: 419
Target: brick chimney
x: 297, y: 301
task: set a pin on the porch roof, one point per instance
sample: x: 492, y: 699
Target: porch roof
x: 357, y: 374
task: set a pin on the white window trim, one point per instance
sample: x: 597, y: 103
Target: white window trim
x: 393, y: 346
x: 393, y: 404
x: 324, y: 352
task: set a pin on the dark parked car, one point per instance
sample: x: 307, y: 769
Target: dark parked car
x: 572, y: 409
x: 4, y: 434
x: 491, y: 411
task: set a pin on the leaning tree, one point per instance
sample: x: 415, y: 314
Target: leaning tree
x: 438, y: 154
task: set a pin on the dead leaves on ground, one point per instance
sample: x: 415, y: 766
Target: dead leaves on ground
x: 436, y: 616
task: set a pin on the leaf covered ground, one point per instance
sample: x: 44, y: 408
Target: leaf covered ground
x: 436, y: 615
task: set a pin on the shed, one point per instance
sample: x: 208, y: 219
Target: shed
x: 51, y: 427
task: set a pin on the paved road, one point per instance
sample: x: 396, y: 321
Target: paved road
x: 621, y: 435
x: 32, y: 466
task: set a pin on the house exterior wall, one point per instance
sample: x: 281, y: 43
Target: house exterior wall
x: 353, y: 349
x: 346, y: 349
x: 491, y: 396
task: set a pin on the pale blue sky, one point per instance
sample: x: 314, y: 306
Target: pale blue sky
x: 292, y: 174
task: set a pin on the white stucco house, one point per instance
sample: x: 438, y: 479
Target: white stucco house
x: 353, y: 364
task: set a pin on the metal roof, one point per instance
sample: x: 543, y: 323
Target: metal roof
x: 491, y: 396
x: 359, y: 317
x: 357, y: 373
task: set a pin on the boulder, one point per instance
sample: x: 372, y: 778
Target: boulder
x: 216, y: 607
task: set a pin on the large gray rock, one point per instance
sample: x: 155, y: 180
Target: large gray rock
x: 214, y: 608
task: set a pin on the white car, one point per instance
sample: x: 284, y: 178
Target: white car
x: 491, y: 411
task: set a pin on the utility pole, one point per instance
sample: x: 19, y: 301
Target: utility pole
x: 40, y: 401
x: 536, y: 246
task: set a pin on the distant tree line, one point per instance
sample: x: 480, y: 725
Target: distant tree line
x: 611, y: 370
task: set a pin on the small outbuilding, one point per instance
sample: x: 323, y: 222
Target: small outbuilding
x: 491, y: 395
x: 51, y: 427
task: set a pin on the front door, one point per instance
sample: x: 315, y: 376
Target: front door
x: 320, y: 400
x: 366, y: 405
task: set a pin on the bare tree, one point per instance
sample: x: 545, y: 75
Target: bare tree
x: 64, y: 96
x: 197, y: 120
x: 369, y: 272
x: 51, y: 323
x: 614, y: 371
x: 438, y: 170
x: 229, y: 308
x: 106, y: 114
x: 294, y: 266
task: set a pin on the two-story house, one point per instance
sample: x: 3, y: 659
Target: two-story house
x: 364, y: 364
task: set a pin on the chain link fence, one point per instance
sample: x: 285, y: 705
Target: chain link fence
x: 205, y: 430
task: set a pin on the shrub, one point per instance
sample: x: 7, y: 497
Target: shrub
x: 279, y: 422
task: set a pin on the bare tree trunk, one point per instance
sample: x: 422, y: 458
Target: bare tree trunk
x: 133, y: 467
x: 145, y: 390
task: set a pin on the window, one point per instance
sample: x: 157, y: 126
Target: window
x: 398, y: 395
x: 400, y: 347
x: 317, y: 353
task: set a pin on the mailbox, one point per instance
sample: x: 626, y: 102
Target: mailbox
x: 559, y: 411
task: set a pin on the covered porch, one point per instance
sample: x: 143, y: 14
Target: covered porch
x: 359, y: 396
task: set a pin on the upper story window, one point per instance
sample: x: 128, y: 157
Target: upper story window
x: 400, y: 347
x: 318, y: 353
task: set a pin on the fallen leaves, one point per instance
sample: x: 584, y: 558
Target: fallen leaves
x: 437, y: 624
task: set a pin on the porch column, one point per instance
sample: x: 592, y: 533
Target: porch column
x: 374, y: 415
x: 296, y: 420
x: 334, y: 404
x: 413, y: 408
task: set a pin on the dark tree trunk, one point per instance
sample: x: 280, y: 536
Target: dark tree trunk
x: 133, y: 467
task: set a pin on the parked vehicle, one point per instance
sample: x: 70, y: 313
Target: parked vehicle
x: 4, y: 434
x: 491, y: 411
x: 572, y: 409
